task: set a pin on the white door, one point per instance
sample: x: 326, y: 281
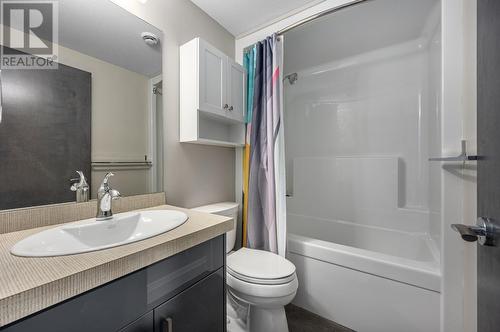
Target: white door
x: 236, y: 91
x: 212, y: 79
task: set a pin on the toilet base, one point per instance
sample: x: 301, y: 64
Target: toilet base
x: 257, y: 319
x: 237, y: 314
x: 267, y: 319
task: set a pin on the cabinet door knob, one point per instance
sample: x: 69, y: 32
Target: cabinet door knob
x: 167, y: 325
x: 226, y: 106
x: 231, y: 108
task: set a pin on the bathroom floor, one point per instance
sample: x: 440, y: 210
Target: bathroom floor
x: 301, y: 320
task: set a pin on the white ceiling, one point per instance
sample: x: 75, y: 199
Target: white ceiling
x: 242, y: 16
x: 356, y: 30
x: 108, y: 32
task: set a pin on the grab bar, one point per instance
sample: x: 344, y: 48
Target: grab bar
x: 463, y: 156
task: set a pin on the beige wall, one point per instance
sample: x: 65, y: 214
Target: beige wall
x: 120, y: 108
x: 194, y: 174
x: 120, y: 119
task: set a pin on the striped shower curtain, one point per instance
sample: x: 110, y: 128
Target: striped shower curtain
x: 264, y: 207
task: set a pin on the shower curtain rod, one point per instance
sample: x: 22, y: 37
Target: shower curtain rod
x: 311, y: 18
x: 318, y: 15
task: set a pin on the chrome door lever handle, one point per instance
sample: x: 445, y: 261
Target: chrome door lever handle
x: 467, y: 232
x: 484, y: 232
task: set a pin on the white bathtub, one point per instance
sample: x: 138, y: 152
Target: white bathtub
x: 367, y: 278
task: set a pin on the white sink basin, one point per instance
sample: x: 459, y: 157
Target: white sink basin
x: 90, y: 235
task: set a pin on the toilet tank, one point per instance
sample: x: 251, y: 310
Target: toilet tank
x: 228, y: 209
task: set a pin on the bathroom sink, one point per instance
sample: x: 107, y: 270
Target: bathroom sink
x: 90, y: 234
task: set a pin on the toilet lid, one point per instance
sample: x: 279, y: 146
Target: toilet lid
x: 260, y: 266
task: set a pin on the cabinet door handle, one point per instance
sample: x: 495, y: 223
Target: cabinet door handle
x: 231, y: 108
x: 167, y: 325
x: 226, y: 106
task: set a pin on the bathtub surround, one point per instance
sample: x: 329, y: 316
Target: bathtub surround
x: 390, y: 293
x: 266, y: 220
x: 405, y: 257
x: 361, y: 122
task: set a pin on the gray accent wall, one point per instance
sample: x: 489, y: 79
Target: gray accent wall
x: 44, y: 135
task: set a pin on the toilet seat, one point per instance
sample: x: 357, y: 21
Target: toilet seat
x: 260, y: 267
x: 260, y: 281
x: 259, y: 293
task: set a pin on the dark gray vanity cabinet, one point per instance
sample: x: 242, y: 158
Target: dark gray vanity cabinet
x: 196, y: 301
x: 143, y: 324
x: 185, y: 292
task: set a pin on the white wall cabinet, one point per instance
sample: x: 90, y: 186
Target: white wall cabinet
x: 236, y: 90
x: 212, y: 81
x: 212, y: 96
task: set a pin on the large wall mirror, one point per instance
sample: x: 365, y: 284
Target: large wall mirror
x: 99, y: 111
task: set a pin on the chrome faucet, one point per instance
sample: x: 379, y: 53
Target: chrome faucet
x: 81, y: 187
x: 105, y: 195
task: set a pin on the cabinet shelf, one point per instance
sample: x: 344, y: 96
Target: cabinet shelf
x: 206, y: 141
x: 212, y: 130
x: 219, y: 118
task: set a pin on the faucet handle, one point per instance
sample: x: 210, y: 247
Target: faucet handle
x: 79, y: 183
x: 106, y: 177
x: 105, y: 195
x: 115, y: 194
x: 104, y: 184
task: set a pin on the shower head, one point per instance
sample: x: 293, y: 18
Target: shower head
x: 292, y: 78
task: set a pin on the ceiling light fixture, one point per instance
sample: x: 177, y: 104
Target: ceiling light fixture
x: 150, y: 38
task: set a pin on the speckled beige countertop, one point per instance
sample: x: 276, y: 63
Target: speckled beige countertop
x: 28, y: 285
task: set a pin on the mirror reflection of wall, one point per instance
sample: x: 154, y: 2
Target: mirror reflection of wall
x: 100, y: 111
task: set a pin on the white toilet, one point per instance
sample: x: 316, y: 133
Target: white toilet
x: 264, y: 281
